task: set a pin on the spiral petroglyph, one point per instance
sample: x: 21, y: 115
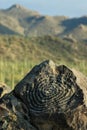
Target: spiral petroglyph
x: 49, y: 97
x: 49, y: 88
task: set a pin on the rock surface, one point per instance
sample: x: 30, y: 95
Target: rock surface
x: 49, y: 97
x: 82, y: 82
x: 4, y: 89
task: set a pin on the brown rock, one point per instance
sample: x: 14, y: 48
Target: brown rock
x: 82, y: 82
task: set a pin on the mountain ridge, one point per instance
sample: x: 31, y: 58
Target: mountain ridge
x: 32, y: 23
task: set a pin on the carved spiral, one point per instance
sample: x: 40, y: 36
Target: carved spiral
x: 50, y: 93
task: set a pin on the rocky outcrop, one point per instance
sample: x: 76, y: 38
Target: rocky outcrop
x: 49, y: 97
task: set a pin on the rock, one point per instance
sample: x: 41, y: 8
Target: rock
x: 14, y: 114
x: 70, y: 38
x: 82, y: 82
x: 4, y: 89
x: 49, y: 97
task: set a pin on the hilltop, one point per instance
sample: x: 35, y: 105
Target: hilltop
x: 18, y: 47
x: 31, y: 23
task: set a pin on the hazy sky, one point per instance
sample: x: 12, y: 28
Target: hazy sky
x: 71, y: 8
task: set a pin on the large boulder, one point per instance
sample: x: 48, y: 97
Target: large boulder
x: 49, y: 97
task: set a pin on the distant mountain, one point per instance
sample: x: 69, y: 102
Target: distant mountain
x: 19, y: 20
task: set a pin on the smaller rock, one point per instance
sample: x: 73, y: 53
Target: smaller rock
x: 4, y: 89
x: 13, y: 114
x: 82, y: 82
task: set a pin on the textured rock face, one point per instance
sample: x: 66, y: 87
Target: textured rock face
x: 47, y: 98
x: 82, y: 82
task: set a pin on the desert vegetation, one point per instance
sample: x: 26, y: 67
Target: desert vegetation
x: 19, y: 54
